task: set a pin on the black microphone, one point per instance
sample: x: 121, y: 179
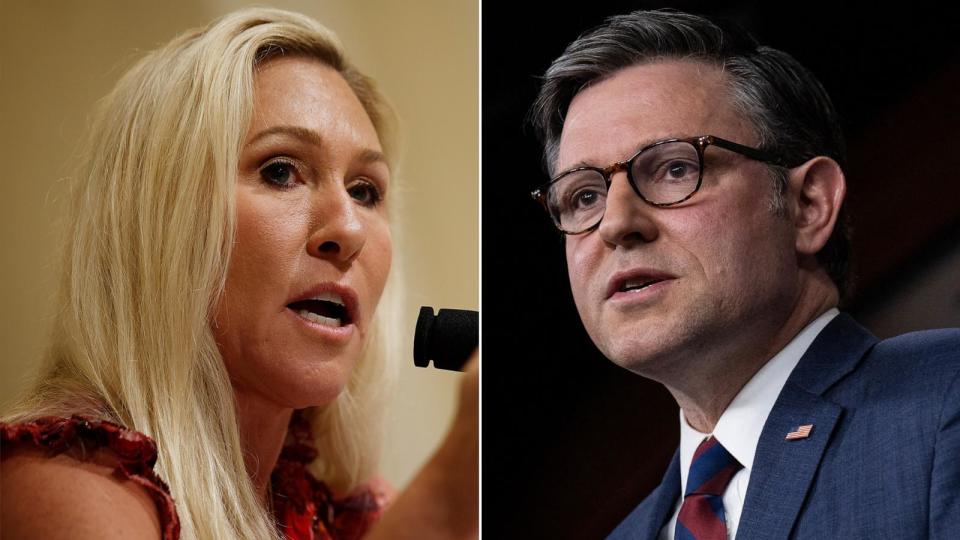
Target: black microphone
x: 447, y: 338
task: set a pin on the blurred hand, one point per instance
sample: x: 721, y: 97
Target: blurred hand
x: 442, y: 501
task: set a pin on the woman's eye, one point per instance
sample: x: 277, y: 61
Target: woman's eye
x: 278, y: 173
x: 365, y: 193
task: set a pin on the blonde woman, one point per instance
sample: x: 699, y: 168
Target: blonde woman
x: 219, y: 355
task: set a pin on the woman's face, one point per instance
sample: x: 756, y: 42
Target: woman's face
x: 312, y: 248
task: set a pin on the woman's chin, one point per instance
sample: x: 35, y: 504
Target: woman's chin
x: 319, y: 387
x: 313, y: 387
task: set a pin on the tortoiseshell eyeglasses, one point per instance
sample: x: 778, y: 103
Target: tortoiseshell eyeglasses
x: 663, y: 173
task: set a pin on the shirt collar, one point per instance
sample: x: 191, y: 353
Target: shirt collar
x: 739, y: 427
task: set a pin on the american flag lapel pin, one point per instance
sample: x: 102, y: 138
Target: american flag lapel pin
x: 802, y: 432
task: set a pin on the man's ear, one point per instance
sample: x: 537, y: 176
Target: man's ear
x: 816, y: 189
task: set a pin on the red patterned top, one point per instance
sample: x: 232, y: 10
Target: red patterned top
x: 304, y: 507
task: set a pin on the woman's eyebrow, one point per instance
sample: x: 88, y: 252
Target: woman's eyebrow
x: 302, y: 133
x: 367, y: 155
x: 370, y: 155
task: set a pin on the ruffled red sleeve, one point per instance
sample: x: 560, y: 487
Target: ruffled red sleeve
x: 135, y: 452
x: 304, y: 507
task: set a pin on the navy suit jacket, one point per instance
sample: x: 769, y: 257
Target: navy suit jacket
x: 882, y: 460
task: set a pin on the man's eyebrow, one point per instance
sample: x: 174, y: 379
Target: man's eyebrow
x: 578, y: 165
x: 642, y: 145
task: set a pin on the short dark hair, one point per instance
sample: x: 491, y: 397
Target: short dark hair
x: 787, y: 106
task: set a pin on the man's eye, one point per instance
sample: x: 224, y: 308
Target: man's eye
x: 579, y: 191
x: 365, y: 193
x: 278, y: 173
x: 584, y: 198
x: 676, y: 171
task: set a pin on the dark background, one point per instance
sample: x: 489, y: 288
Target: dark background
x: 571, y: 442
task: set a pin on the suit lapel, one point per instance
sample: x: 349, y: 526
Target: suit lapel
x: 784, y: 470
x: 646, y: 520
x: 666, y: 496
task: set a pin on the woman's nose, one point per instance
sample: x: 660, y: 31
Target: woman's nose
x: 339, y: 233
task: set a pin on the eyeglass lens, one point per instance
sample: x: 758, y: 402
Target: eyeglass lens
x: 662, y: 174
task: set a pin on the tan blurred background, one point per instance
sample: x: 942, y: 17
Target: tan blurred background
x: 58, y: 57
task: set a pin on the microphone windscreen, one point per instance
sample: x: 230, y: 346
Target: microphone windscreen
x: 447, y: 338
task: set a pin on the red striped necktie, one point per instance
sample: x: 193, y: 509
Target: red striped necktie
x: 701, y: 515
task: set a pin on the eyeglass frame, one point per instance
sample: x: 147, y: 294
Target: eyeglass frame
x: 700, y: 143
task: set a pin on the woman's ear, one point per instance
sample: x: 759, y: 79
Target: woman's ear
x: 816, y: 190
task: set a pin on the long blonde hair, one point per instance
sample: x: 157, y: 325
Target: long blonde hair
x: 149, y: 240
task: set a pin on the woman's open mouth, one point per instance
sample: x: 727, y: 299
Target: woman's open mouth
x: 329, y: 307
x: 326, y: 308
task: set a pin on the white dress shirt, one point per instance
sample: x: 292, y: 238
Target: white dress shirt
x: 739, y: 427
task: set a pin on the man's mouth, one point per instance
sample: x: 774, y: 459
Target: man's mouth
x: 636, y: 280
x: 631, y: 285
x: 326, y: 308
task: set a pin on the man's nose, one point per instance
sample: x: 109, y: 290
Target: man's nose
x: 627, y: 218
x: 339, y: 232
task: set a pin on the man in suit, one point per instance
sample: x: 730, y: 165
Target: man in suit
x: 697, y: 178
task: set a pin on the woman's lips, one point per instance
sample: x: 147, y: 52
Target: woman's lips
x: 333, y: 334
x: 328, y: 310
x: 327, y: 300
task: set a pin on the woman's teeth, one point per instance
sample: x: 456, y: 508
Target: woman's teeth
x: 319, y: 319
